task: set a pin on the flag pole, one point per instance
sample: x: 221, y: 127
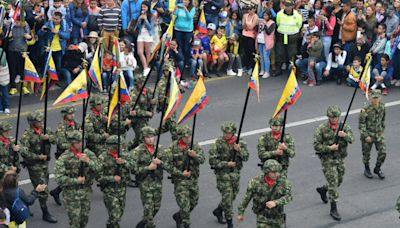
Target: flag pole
x: 118, y: 171
x: 283, y: 126
x: 85, y: 105
x: 187, y: 160
x: 19, y: 102
x: 46, y: 92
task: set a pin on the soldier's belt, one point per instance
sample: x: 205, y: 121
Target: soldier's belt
x: 76, y: 187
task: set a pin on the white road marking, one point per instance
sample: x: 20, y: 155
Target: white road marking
x: 262, y: 130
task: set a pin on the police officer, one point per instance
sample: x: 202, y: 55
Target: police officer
x: 330, y: 143
x: 269, y: 192
x: 226, y: 158
x: 9, y: 158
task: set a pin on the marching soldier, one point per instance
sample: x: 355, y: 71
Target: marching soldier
x: 95, y: 126
x: 141, y: 115
x: 372, y: 126
x: 36, y: 154
x: 149, y: 175
x: 270, y: 193
x: 68, y: 124
x: 184, y: 165
x: 330, y: 143
x: 270, y: 147
x: 227, y: 170
x: 125, y: 124
x: 113, y: 178
x: 75, y: 172
x: 9, y: 158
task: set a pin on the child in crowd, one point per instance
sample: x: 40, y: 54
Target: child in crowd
x: 234, y: 24
x: 92, y: 42
x: 378, y: 47
x: 382, y: 74
x: 379, y: 8
x: 309, y: 28
x: 234, y: 56
x: 355, y: 72
x: 265, y: 39
x: 56, y: 7
x: 196, y: 62
x: 206, y: 45
x: 219, y: 46
x: 108, y: 64
x: 4, y: 82
x: 128, y: 64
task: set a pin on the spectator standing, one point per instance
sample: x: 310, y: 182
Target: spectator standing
x: 338, y: 13
x: 130, y: 12
x: 370, y: 21
x: 79, y: 18
x: 265, y: 39
x: 234, y: 24
x: 109, y: 21
x: 249, y: 22
x: 380, y: 17
x: 4, y: 82
x: 348, y: 26
x: 146, y: 29
x: 212, y: 9
x: 94, y: 13
x: 392, y: 21
x: 326, y: 23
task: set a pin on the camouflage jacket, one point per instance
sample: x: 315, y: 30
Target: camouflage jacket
x: 142, y: 158
x: 261, y: 193
x: 267, y: 146
x: 8, y: 157
x: 324, y: 136
x: 61, y: 135
x: 95, y: 127
x: 221, y: 153
x: 372, y: 121
x: 113, y: 128
x: 68, y: 166
x: 176, y: 159
x: 31, y: 147
x: 161, y: 87
x: 109, y: 167
x: 143, y: 105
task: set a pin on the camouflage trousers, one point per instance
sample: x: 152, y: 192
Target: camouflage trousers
x: 114, y: 199
x: 77, y: 205
x: 333, y: 170
x: 228, y: 185
x: 137, y: 128
x: 150, y: 194
x: 187, y: 196
x: 380, y: 148
x: 39, y: 174
x: 263, y: 222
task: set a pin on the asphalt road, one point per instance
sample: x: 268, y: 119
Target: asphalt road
x: 363, y: 202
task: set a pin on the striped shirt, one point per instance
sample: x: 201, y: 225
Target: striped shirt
x: 110, y: 19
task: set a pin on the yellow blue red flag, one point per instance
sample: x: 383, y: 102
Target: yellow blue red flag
x: 290, y: 94
x: 366, y: 76
x: 120, y: 97
x: 202, y: 24
x: 75, y: 91
x: 95, y: 71
x: 51, y: 76
x: 30, y: 73
x: 174, y: 99
x: 197, y: 100
x: 254, y: 80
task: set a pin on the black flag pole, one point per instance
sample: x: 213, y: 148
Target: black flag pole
x: 283, y: 126
x: 46, y: 96
x: 187, y: 161
x: 118, y: 170
x: 85, y: 105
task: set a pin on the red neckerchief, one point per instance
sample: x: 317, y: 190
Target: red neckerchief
x: 76, y: 152
x: 150, y: 148
x: 6, y: 141
x: 232, y: 140
x: 271, y: 182
x: 71, y: 123
x: 37, y: 131
x: 334, y: 127
x: 182, y: 145
x: 277, y: 135
x: 113, y: 153
x: 97, y: 113
x: 144, y: 92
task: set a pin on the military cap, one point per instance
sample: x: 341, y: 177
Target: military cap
x: 35, y: 116
x: 5, y: 126
x: 141, y: 78
x: 112, y: 139
x: 96, y: 100
x: 271, y: 165
x: 228, y: 127
x: 376, y: 93
x: 74, y: 136
x: 183, y: 131
x: 276, y: 121
x: 68, y: 110
x: 147, y: 131
x: 333, y: 111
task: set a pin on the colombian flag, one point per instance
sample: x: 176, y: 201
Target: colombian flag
x: 75, y: 91
x: 51, y: 76
x: 95, y: 71
x: 290, y: 94
x: 120, y: 97
x: 202, y: 24
x: 174, y: 99
x: 365, y: 79
x: 30, y: 73
x: 254, y: 80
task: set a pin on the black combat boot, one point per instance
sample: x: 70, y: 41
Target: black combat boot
x: 334, y: 213
x: 55, y: 193
x: 141, y: 224
x: 47, y: 216
x: 367, y: 171
x: 229, y: 222
x: 379, y: 172
x: 217, y: 212
x: 322, y: 191
x: 178, y: 220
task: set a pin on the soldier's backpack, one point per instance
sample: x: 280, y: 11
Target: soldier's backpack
x: 19, y: 210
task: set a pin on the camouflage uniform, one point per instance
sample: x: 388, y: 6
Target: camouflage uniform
x: 372, y: 124
x: 332, y: 161
x: 143, y: 115
x: 76, y: 196
x: 228, y: 179
x: 95, y: 126
x: 150, y: 182
x: 124, y: 128
x: 267, y: 146
x: 8, y: 157
x: 186, y: 189
x: 114, y: 193
x: 32, y: 146
x: 261, y: 192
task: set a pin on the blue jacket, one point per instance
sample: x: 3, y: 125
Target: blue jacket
x: 136, y: 8
x: 77, y: 18
x: 149, y: 25
x: 64, y: 34
x: 389, y: 72
x: 184, y: 20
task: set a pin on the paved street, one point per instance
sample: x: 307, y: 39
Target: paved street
x: 363, y: 202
